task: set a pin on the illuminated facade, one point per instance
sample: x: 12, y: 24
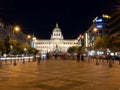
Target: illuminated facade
x: 6, y: 30
x: 99, y: 27
x: 55, y: 44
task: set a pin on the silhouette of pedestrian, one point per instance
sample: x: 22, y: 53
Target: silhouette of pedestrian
x: 56, y: 56
x: 39, y: 58
x: 47, y: 55
x: 82, y: 57
x: 78, y: 56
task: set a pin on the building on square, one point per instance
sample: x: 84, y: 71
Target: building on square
x: 56, y: 44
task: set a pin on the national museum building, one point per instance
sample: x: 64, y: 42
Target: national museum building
x: 56, y: 44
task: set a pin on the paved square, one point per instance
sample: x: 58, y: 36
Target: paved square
x: 60, y: 75
x: 56, y: 84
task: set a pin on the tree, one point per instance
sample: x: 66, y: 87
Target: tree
x: 15, y: 47
x: 97, y: 43
x: 81, y: 49
x: 32, y: 50
x: 115, y: 43
x: 102, y: 42
x: 109, y: 41
x: 2, y: 47
x: 72, y: 49
x: 7, y: 44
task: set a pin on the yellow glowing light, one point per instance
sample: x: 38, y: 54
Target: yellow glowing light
x: 106, y: 16
x: 17, y: 28
x: 95, y: 29
x: 28, y: 36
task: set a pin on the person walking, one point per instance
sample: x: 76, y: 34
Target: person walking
x: 39, y: 58
x: 78, y: 56
x: 82, y: 57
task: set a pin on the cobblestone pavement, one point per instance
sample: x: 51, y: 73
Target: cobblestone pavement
x: 59, y: 75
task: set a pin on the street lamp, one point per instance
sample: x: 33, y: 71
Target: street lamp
x: 26, y: 43
x: 15, y: 29
x: 95, y: 32
x: 95, y: 29
x: 27, y: 37
x: 25, y: 50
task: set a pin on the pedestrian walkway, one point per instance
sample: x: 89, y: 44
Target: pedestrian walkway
x: 60, y: 75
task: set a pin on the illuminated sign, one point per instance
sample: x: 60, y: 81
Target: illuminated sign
x: 99, y: 20
x: 99, y: 26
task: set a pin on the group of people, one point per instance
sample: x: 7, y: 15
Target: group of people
x: 63, y: 56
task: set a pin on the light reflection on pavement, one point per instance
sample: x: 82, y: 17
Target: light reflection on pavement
x: 59, y: 75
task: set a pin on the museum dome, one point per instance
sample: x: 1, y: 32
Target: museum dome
x: 57, y: 29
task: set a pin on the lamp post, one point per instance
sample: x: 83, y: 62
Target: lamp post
x: 26, y: 43
x: 95, y: 30
x: 15, y: 29
x: 25, y: 49
x: 27, y: 37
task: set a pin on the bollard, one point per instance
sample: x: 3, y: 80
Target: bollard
x: 113, y: 61
x: 5, y: 61
x: 88, y: 59
x: 14, y: 63
x: 0, y: 63
x: 23, y: 60
x: 10, y: 61
x: 110, y: 63
x: 97, y: 62
x: 107, y: 61
x: 102, y: 60
x: 18, y: 59
x: 39, y: 58
x: 29, y: 59
x: 119, y: 61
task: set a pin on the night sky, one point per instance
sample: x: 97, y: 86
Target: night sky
x: 40, y: 16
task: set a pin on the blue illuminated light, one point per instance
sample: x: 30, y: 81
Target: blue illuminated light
x: 99, y: 26
x: 99, y: 20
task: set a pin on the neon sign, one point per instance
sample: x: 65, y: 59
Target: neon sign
x: 99, y: 20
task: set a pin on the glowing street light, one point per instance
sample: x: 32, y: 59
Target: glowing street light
x: 27, y: 37
x: 15, y: 29
x: 95, y: 29
x: 26, y: 44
